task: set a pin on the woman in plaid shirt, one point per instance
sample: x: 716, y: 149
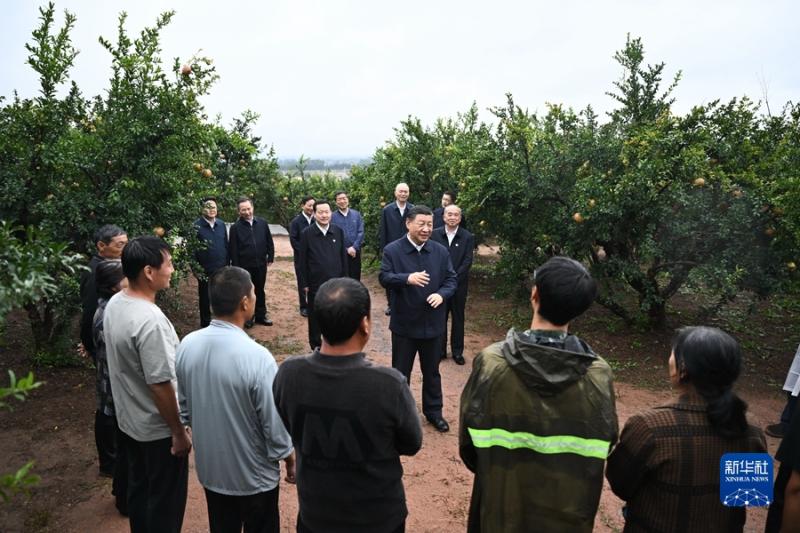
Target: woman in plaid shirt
x: 666, y: 465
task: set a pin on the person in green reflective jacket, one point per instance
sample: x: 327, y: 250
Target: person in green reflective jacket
x: 538, y: 416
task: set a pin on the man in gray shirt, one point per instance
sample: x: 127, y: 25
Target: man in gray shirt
x: 225, y: 395
x: 140, y: 347
x: 350, y: 422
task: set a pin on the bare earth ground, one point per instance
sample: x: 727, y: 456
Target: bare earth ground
x: 55, y: 426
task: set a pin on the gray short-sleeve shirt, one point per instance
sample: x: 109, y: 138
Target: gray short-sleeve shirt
x: 140, y: 345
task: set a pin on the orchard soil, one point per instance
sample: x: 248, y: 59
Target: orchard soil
x: 55, y: 425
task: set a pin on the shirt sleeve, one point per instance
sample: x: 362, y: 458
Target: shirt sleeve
x: 388, y: 277
x: 629, y: 462
x: 279, y: 442
x: 359, y: 232
x: 156, y: 344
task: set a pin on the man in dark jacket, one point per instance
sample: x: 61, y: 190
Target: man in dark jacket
x: 251, y: 248
x: 393, y: 225
x: 350, y: 422
x: 213, y: 235
x: 419, y: 273
x: 109, y: 240
x: 448, y: 197
x: 461, y: 245
x: 303, y: 220
x: 323, y: 256
x: 538, y: 416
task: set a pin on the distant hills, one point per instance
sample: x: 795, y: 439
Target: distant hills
x: 339, y: 164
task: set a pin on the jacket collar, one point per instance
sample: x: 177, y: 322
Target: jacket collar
x: 409, y: 248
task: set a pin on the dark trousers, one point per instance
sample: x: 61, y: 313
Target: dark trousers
x: 404, y: 350
x: 113, y: 458
x: 105, y: 438
x: 259, y: 277
x: 302, y: 528
x: 788, y: 410
x: 301, y: 294
x: 455, y: 310
x: 354, y: 266
x: 314, y: 334
x: 204, y: 301
x: 119, y: 487
x: 257, y: 513
x: 157, y: 486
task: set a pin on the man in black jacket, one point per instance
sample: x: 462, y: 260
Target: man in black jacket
x: 109, y: 240
x: 350, y: 421
x: 448, y: 197
x: 393, y: 225
x: 419, y: 273
x: 251, y: 248
x: 299, y: 223
x: 212, y: 233
x: 461, y: 245
x: 323, y: 256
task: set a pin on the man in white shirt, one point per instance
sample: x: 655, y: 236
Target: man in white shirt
x: 140, y: 347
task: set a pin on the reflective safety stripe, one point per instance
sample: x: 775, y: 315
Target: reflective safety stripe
x: 486, y: 438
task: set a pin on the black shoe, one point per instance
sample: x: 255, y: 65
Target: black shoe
x: 248, y: 324
x: 264, y: 321
x: 775, y: 430
x: 440, y: 424
x: 459, y: 359
x: 304, y: 312
x: 387, y: 311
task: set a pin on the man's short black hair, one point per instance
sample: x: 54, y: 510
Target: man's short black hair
x: 147, y: 250
x: 107, y: 232
x: 243, y: 199
x: 418, y: 210
x: 339, y: 307
x: 107, y: 275
x: 227, y: 288
x: 566, y: 290
x: 340, y: 192
x: 452, y: 196
x: 306, y: 199
x: 321, y: 202
x: 208, y: 199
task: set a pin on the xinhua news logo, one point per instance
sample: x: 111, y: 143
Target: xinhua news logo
x: 745, y: 479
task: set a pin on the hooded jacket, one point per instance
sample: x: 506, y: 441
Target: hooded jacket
x: 537, y: 422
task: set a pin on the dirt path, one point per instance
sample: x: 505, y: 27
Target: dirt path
x: 437, y: 484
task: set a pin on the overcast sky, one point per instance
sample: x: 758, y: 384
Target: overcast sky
x: 333, y: 78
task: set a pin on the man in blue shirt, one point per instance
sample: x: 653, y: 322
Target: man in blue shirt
x: 353, y: 226
x: 225, y: 395
x: 421, y: 277
x: 213, y: 235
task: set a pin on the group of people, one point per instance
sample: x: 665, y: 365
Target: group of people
x: 537, y: 419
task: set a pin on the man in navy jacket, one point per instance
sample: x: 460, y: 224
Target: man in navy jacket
x: 323, y: 256
x: 211, y: 232
x: 251, y: 248
x: 353, y: 227
x: 303, y: 220
x: 419, y: 273
x: 393, y: 225
x: 461, y: 245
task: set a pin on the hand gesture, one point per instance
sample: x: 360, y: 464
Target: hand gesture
x: 435, y: 300
x: 419, y: 279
